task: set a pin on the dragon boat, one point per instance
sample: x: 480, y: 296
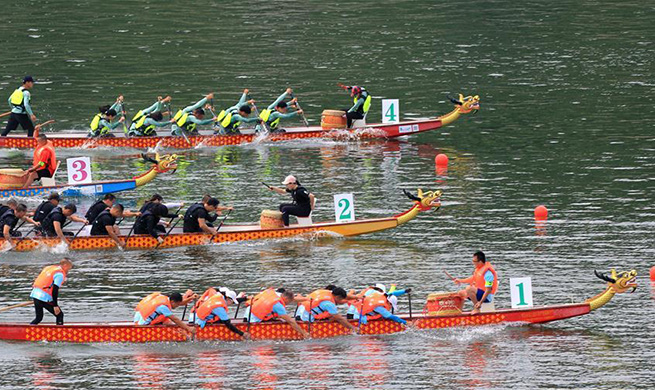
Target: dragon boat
x: 241, y: 232
x: 276, y: 330
x: 159, y: 165
x: 207, y: 138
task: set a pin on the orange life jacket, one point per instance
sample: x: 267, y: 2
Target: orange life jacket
x: 45, y: 280
x: 371, y: 302
x: 211, y: 301
x: 478, y: 277
x: 262, y: 304
x: 316, y: 298
x: 51, y: 162
x: 149, y: 305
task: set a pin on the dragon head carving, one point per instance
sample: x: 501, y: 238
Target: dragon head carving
x: 466, y: 104
x: 620, y: 282
x: 425, y: 200
x: 164, y: 163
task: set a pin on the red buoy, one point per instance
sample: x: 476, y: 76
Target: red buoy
x: 652, y: 274
x: 540, y: 212
x: 441, y: 160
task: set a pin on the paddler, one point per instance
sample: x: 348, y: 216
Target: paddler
x: 373, y: 306
x: 11, y: 204
x: 105, y: 124
x: 44, y: 161
x: 361, y: 103
x: 190, y: 117
x: 212, y: 307
x: 105, y: 224
x: 8, y: 221
x: 53, y: 223
x: 46, y: 207
x: 392, y: 296
x: 146, y: 121
x: 103, y: 204
x: 303, y: 200
x: 21, y: 110
x: 323, y: 303
x: 277, y: 111
x: 45, y: 291
x: 195, y: 218
x: 231, y: 118
x: 148, y: 222
x: 270, y: 304
x: 482, y: 284
x: 157, y: 308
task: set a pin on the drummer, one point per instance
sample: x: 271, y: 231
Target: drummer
x: 482, y: 284
x: 44, y: 162
x: 303, y: 200
x: 195, y: 218
x: 361, y: 103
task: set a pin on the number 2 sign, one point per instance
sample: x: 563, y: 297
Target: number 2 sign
x: 79, y: 170
x: 344, y: 208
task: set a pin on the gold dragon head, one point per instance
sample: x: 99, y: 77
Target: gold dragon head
x: 620, y: 282
x: 467, y: 104
x: 163, y: 163
x: 426, y: 200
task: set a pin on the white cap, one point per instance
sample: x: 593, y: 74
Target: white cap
x: 229, y: 294
x: 289, y: 179
x: 382, y: 287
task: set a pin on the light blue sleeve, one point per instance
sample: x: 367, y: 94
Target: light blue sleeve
x: 397, y: 293
x: 197, y: 121
x: 387, y: 315
x: 276, y: 114
x: 150, y: 121
x: 243, y: 99
x: 279, y: 99
x: 279, y: 309
x: 488, y: 279
x: 58, y: 279
x: 199, y: 104
x: 118, y: 107
x: 164, y: 310
x: 242, y: 119
x: 221, y: 314
x: 26, y: 101
x: 328, y: 307
x: 157, y: 106
x: 104, y: 122
x: 359, y: 102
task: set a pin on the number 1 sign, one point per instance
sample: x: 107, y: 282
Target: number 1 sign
x: 344, y: 208
x: 521, y: 292
x: 79, y: 170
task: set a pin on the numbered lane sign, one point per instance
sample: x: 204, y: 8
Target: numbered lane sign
x: 344, y: 208
x: 521, y: 289
x: 390, y: 110
x: 79, y: 170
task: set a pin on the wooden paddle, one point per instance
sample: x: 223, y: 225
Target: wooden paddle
x: 409, y: 297
x: 269, y: 187
x: 302, y: 116
x: 167, y: 233
x: 263, y: 122
x: 4, y: 114
x: 219, y: 226
x: 450, y: 276
x: 37, y: 128
x: 309, y: 325
x: 22, y: 304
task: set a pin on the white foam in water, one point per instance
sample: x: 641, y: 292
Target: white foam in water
x: 58, y: 249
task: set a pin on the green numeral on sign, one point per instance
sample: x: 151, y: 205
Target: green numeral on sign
x: 521, y: 295
x: 346, y: 205
x: 391, y: 113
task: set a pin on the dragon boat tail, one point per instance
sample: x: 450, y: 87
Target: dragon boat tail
x: 276, y: 330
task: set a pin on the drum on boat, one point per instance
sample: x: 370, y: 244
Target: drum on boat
x: 12, y: 178
x: 443, y: 304
x: 333, y: 119
x: 271, y: 219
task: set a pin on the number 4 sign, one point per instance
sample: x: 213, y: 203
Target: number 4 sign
x: 344, y: 208
x: 79, y: 170
x: 390, y: 110
x: 521, y: 292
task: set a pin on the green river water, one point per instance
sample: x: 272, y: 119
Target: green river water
x: 567, y: 93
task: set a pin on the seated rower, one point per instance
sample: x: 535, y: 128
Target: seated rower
x: 361, y: 104
x: 212, y: 307
x: 195, y: 218
x: 374, y: 306
x: 157, y: 308
x: 392, y: 296
x: 11, y: 204
x: 105, y: 224
x: 190, y: 117
x: 8, y: 221
x: 104, y: 125
x: 322, y: 304
x: 46, y: 207
x: 482, y: 284
x: 44, y: 161
x: 103, y: 204
x: 270, y: 304
x: 148, y: 222
x: 145, y: 121
x: 53, y: 223
x: 278, y: 110
x: 45, y: 291
x: 303, y: 200
x: 231, y: 118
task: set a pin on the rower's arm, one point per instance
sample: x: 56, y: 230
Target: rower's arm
x: 26, y: 101
x: 204, y: 227
x: 106, y: 123
x: 198, y: 104
x: 467, y: 280
x: 312, y: 200
x: 197, y: 121
x: 30, y: 220
x: 356, y: 106
x: 112, y: 234
x: 279, y: 99
x: 386, y: 314
x: 251, y: 119
x: 181, y: 324
x: 231, y: 327
x: 78, y: 219
x: 242, y: 101
x: 60, y: 233
x: 279, y: 190
x: 287, y: 318
x: 150, y: 121
x: 157, y: 106
x: 6, y: 232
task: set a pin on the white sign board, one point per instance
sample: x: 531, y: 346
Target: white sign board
x: 344, y: 208
x: 390, y: 110
x: 521, y: 289
x: 79, y: 170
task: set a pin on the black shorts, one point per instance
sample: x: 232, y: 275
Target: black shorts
x: 43, y: 173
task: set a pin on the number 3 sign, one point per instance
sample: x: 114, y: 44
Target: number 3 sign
x: 79, y: 170
x: 344, y: 208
